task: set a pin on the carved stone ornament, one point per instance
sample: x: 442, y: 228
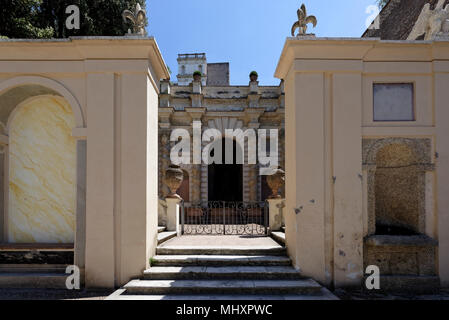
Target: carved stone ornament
x: 275, y: 182
x: 431, y: 23
x: 303, y: 21
x: 138, y: 20
x: 173, y: 179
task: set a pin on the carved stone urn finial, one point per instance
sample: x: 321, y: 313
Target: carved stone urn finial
x: 303, y: 21
x: 173, y: 179
x: 253, y: 76
x: 138, y: 20
x: 197, y: 75
x: 275, y: 182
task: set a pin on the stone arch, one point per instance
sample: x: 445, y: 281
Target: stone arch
x: 29, y: 86
x: 420, y: 147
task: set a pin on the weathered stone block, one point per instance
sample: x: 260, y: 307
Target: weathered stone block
x: 406, y: 263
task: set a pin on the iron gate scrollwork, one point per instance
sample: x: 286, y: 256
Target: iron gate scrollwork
x: 224, y: 218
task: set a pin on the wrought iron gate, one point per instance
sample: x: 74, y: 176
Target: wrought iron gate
x: 224, y: 218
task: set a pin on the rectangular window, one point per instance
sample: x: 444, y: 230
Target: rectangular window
x: 393, y: 102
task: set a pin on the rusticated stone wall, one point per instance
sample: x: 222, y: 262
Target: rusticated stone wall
x: 396, y: 182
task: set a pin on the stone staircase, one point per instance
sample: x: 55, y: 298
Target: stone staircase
x: 221, y: 273
x: 24, y: 266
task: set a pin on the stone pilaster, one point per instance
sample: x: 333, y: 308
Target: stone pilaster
x: 173, y: 211
x: 275, y: 213
x: 196, y: 183
x: 196, y: 97
x: 196, y: 172
x: 252, y: 182
x: 253, y: 171
x: 164, y: 161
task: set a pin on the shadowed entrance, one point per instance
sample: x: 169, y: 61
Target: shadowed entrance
x: 226, y: 180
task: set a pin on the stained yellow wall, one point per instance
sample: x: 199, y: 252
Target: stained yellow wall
x: 42, y: 172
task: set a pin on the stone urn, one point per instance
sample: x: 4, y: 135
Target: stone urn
x: 197, y: 76
x: 275, y: 182
x: 173, y: 179
x: 253, y: 76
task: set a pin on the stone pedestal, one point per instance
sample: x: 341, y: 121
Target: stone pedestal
x: 173, y: 212
x: 275, y: 213
x: 406, y: 263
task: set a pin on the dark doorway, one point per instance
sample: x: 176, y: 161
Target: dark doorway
x: 226, y: 180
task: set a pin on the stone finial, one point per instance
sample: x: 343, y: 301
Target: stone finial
x: 253, y: 76
x: 431, y: 23
x: 303, y: 21
x: 138, y: 20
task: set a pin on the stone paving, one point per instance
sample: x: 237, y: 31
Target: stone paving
x: 210, y: 241
x: 53, y: 294
x: 360, y: 295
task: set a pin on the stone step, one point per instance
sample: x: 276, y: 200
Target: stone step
x: 279, y: 237
x: 231, y: 250
x: 121, y: 295
x: 409, y: 283
x: 32, y: 268
x: 251, y: 287
x: 30, y: 280
x: 165, y: 236
x: 232, y: 272
x: 161, y: 229
x: 219, y: 260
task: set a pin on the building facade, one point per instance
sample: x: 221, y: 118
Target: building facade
x: 218, y: 105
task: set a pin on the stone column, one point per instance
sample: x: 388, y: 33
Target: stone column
x: 173, y: 212
x: 275, y: 207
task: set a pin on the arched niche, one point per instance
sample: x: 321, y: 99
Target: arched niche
x: 18, y: 89
x: 396, y: 185
x: 398, y: 190
x: 41, y: 172
x: 20, y: 96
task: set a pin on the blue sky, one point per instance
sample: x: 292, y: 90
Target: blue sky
x: 249, y: 34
